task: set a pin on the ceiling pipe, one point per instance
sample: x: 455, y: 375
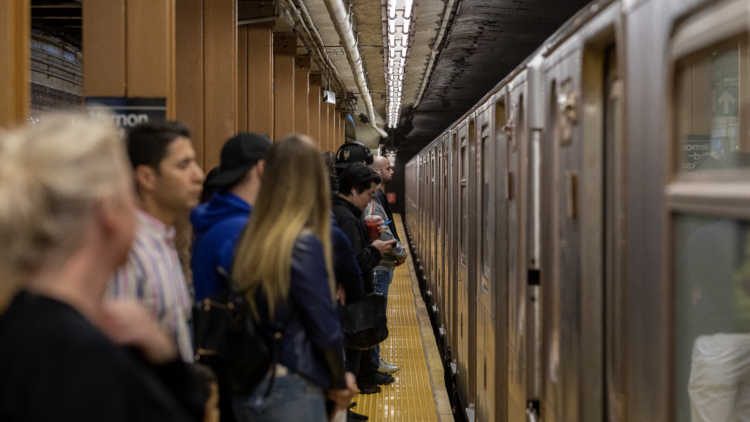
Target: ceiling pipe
x: 340, y: 17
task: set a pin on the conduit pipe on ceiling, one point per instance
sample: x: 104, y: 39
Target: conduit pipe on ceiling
x: 433, y: 56
x: 342, y: 23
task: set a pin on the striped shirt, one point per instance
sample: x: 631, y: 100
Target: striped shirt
x: 154, y: 276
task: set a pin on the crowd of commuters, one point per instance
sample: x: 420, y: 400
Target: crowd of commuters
x: 96, y: 295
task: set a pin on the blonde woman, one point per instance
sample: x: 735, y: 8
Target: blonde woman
x: 66, y: 222
x: 283, y: 262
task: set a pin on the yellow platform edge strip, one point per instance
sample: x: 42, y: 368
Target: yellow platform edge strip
x: 418, y: 394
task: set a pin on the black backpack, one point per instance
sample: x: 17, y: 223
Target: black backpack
x: 228, y: 339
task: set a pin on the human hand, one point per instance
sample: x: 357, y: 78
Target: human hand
x: 128, y: 323
x: 384, y: 246
x: 342, y: 397
x: 341, y: 295
x: 400, y: 260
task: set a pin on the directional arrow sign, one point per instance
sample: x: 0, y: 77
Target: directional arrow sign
x: 726, y: 103
x: 726, y: 99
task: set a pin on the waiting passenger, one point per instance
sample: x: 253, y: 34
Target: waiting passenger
x: 66, y: 223
x: 383, y: 272
x: 168, y: 183
x: 382, y: 167
x: 284, y: 263
x: 357, y: 184
x: 218, y: 223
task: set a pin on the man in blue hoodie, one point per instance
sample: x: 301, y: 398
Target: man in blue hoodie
x: 219, y: 222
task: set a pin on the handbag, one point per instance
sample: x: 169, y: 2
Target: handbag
x: 365, y: 322
x: 228, y: 338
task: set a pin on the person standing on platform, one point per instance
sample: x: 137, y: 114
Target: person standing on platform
x: 383, y: 272
x: 168, y: 182
x: 219, y: 222
x: 382, y: 166
x: 357, y: 184
x: 67, y: 221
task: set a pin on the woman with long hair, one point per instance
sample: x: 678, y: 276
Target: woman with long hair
x: 66, y: 223
x: 283, y: 262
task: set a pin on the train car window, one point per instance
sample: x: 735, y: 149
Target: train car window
x: 486, y: 228
x: 712, y: 319
x: 464, y: 202
x: 711, y: 108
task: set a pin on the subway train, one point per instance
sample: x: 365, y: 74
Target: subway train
x: 582, y: 234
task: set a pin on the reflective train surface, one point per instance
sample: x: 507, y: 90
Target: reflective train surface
x: 582, y: 234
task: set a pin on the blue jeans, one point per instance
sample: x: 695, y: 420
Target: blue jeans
x: 292, y: 398
x: 382, y: 281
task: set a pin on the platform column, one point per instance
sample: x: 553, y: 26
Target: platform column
x: 207, y: 74
x: 255, y: 66
x: 331, y: 140
x: 301, y: 95
x: 15, y: 61
x: 337, y: 120
x: 284, y: 51
x: 324, y: 125
x: 314, y: 99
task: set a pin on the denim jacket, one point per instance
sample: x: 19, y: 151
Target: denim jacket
x: 312, y: 344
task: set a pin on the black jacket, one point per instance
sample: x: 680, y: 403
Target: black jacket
x: 350, y: 221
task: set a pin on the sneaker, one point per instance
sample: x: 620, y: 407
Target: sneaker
x: 384, y: 379
x: 369, y: 389
x: 352, y: 416
x: 388, y: 367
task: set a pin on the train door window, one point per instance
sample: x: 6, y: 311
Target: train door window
x: 464, y: 230
x: 486, y: 228
x: 712, y: 108
x: 710, y: 217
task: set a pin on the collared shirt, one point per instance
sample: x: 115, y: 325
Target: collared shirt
x: 153, y: 275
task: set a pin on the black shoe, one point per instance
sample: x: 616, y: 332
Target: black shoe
x: 381, y: 378
x: 369, y: 389
x: 352, y: 416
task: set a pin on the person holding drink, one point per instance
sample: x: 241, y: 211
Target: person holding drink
x: 357, y: 184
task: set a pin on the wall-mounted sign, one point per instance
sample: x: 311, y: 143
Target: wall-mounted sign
x: 128, y: 112
x: 391, y: 197
x: 329, y: 97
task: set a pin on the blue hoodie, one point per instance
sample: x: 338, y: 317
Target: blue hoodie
x: 217, y: 224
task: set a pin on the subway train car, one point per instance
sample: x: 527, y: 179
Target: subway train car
x: 582, y: 234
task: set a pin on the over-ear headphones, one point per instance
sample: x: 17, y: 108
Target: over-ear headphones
x: 368, y: 154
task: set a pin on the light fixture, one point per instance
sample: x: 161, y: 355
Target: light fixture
x: 400, y: 16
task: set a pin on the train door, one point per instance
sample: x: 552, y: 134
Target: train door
x: 515, y: 194
x: 432, y: 284
x: 455, y: 181
x: 709, y: 218
x: 464, y: 232
x: 490, y: 263
x: 439, y: 252
x: 445, y: 209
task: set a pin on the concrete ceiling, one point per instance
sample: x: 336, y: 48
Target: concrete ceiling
x: 484, y: 40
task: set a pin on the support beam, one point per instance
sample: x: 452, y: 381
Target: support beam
x: 314, y: 107
x: 331, y: 141
x: 324, y: 126
x: 337, y: 124
x: 242, y: 73
x: 301, y: 95
x: 15, y: 61
x: 284, y: 51
x: 260, y: 108
x: 190, y: 78
x: 104, y: 40
x: 220, y: 70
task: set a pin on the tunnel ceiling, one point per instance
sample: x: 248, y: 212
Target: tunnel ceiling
x: 486, y: 40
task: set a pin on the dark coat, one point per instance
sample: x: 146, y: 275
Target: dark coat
x: 312, y: 344
x: 350, y: 221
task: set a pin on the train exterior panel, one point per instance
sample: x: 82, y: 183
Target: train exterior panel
x: 582, y: 231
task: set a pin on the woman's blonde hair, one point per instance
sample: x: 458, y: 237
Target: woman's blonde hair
x: 294, y: 198
x: 51, y: 175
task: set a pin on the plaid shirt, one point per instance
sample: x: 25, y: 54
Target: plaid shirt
x: 154, y: 276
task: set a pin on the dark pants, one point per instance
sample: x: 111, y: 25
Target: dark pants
x: 359, y: 362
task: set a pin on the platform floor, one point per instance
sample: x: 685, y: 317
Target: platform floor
x: 419, y: 392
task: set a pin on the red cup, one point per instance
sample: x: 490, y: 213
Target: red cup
x: 372, y: 230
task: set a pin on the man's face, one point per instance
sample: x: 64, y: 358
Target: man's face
x: 361, y: 199
x: 387, y: 173
x: 179, y: 181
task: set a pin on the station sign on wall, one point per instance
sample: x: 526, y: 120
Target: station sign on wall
x: 127, y: 112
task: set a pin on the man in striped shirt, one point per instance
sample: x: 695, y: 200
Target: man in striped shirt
x: 168, y: 182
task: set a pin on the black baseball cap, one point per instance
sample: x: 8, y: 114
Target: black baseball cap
x: 240, y: 154
x: 351, y: 153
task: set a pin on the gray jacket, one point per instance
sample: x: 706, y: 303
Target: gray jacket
x: 388, y: 261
